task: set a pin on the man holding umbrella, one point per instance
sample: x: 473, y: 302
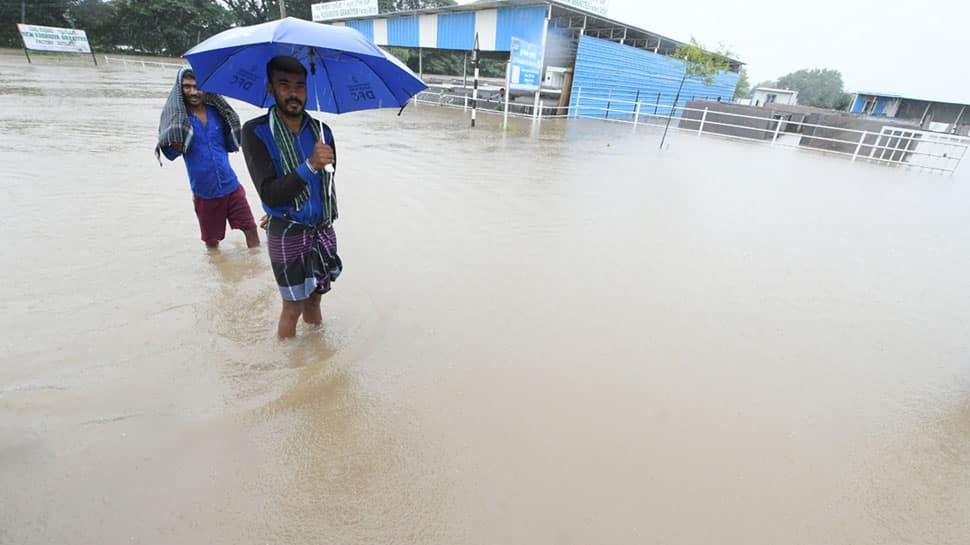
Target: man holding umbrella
x: 290, y: 157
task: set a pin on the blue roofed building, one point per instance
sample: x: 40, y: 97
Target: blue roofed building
x: 952, y: 116
x: 588, y: 59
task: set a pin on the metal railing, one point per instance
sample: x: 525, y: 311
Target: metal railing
x: 126, y: 62
x: 890, y: 145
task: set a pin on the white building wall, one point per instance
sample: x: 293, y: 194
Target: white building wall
x: 428, y: 31
x: 380, y: 31
x: 760, y: 97
x: 486, y: 24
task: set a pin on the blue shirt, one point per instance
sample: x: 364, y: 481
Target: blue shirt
x: 311, y: 212
x: 206, y: 159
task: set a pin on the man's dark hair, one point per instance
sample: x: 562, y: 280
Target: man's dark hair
x: 284, y: 63
x: 188, y: 74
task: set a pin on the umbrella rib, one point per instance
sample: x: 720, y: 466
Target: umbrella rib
x: 336, y: 104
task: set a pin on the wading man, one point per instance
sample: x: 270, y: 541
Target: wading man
x: 286, y: 155
x: 203, y: 129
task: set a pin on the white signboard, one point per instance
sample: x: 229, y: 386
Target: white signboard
x: 599, y: 7
x: 343, y: 9
x: 49, y: 38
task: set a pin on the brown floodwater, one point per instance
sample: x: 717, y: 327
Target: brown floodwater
x: 550, y: 334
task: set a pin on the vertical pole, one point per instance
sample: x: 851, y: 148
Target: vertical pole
x: 542, y: 60
x: 777, y: 130
x: 609, y: 100
x: 282, y: 9
x: 673, y: 109
x: 92, y: 55
x: 579, y: 97
x: 959, y: 117
x: 421, y: 62
x: 636, y: 115
x: 925, y: 113
x: 23, y: 41
x: 508, y: 91
x: 656, y: 104
x: 542, y: 105
x: 700, y: 130
x: 859, y: 145
x: 475, y: 82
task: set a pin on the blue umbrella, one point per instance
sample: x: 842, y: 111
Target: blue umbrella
x: 345, y: 71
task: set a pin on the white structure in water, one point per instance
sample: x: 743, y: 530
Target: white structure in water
x: 767, y: 95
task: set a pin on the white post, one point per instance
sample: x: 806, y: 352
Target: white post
x: 535, y: 106
x: 579, y: 97
x: 636, y: 115
x: 508, y: 92
x: 542, y: 104
x: 777, y: 130
x: 475, y: 62
x: 859, y: 145
x: 465, y: 107
x: 700, y: 130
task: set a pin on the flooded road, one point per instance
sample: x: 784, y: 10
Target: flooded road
x: 553, y: 334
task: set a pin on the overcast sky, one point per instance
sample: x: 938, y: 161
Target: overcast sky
x: 919, y: 49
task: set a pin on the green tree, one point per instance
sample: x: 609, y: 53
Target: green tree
x: 744, y: 86
x: 169, y: 27
x: 821, y: 88
x: 387, y: 6
x: 36, y: 12
x: 251, y: 12
x: 698, y: 63
x: 451, y: 62
x: 98, y: 19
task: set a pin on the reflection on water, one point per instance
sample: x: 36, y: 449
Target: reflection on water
x: 550, y: 334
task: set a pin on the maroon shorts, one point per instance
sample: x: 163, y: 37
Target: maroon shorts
x: 213, y: 214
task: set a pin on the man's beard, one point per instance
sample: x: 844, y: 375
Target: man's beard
x: 292, y: 102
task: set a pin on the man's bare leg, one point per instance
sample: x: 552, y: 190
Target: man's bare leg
x: 311, y: 310
x: 212, y: 244
x: 289, y: 316
x: 252, y: 238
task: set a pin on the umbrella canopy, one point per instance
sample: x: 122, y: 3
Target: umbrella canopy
x: 345, y: 71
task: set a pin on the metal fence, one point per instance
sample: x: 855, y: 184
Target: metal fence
x: 127, y: 62
x: 890, y: 145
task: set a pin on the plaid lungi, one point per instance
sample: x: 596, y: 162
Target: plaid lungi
x: 304, y: 257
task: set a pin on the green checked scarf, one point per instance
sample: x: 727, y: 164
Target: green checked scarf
x: 291, y: 158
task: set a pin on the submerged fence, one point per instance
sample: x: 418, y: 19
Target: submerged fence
x: 885, y: 142
x: 127, y: 61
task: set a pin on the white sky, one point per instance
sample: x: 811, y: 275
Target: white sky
x: 918, y: 49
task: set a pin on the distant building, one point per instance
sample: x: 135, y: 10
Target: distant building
x: 938, y: 116
x: 762, y: 96
x: 593, y: 64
